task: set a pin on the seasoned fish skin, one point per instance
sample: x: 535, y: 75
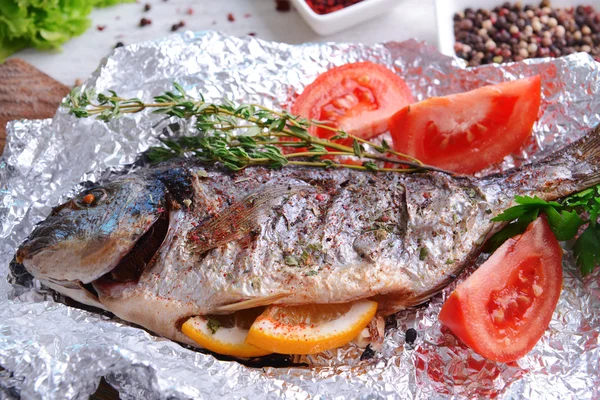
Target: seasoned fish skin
x: 299, y: 235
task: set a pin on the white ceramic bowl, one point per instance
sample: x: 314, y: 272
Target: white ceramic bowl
x: 336, y: 21
x: 445, y: 10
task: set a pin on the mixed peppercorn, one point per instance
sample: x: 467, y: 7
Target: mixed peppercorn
x: 513, y: 32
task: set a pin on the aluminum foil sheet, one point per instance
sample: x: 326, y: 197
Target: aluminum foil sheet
x: 54, y: 351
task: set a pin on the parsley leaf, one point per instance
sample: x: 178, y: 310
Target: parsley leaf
x: 565, y: 219
x: 515, y: 228
x: 526, y: 205
x: 587, y: 249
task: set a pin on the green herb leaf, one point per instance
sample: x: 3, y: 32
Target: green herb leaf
x: 371, y: 166
x: 511, y: 214
x: 340, y: 135
x: 581, y: 198
x: 357, y: 148
x: 213, y: 324
x: 565, y: 219
x: 235, y: 135
x: 565, y: 225
x: 587, y: 249
x: 291, y: 261
x: 300, y: 132
x: 534, y: 201
x: 511, y: 230
x: 526, y: 204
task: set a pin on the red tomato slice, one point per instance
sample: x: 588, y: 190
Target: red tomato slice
x: 469, y: 131
x: 504, y: 307
x: 359, y: 98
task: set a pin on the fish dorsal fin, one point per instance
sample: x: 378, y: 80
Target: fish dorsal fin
x: 251, y: 303
x: 239, y: 219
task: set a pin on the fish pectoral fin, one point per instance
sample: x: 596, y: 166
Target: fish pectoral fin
x: 251, y: 303
x: 239, y: 219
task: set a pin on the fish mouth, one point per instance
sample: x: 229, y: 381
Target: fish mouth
x: 131, y: 267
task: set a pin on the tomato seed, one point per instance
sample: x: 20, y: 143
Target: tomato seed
x: 498, y: 316
x: 364, y: 79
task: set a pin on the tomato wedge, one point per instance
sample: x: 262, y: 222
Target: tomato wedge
x: 504, y: 307
x: 469, y: 131
x: 359, y: 98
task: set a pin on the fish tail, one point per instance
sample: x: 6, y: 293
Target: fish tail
x: 587, y: 152
x: 570, y: 170
x: 580, y: 160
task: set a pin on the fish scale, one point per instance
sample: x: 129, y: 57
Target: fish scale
x: 238, y: 240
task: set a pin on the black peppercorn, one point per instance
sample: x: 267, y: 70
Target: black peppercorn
x: 410, y: 336
x: 368, y: 353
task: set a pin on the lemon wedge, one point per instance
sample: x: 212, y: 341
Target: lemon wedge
x: 224, y: 334
x: 309, y: 329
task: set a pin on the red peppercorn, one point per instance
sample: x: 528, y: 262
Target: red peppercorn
x: 328, y: 6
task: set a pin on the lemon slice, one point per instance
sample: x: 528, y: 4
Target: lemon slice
x: 310, y: 329
x: 224, y: 334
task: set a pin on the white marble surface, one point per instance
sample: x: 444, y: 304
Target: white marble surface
x: 81, y: 55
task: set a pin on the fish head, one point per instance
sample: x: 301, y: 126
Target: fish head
x: 95, y: 232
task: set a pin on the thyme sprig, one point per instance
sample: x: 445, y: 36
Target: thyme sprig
x: 242, y: 135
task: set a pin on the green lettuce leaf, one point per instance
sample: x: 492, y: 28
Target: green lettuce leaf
x: 44, y: 24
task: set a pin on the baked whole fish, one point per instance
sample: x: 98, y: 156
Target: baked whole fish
x: 183, y: 239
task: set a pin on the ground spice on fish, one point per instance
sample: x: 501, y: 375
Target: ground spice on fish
x: 513, y: 32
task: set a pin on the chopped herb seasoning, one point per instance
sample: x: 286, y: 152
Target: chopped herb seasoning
x: 213, y: 324
x: 423, y: 253
x: 291, y: 261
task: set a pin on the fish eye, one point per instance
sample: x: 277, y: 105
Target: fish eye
x: 91, y: 198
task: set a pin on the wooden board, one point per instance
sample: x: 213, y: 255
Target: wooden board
x: 26, y: 92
